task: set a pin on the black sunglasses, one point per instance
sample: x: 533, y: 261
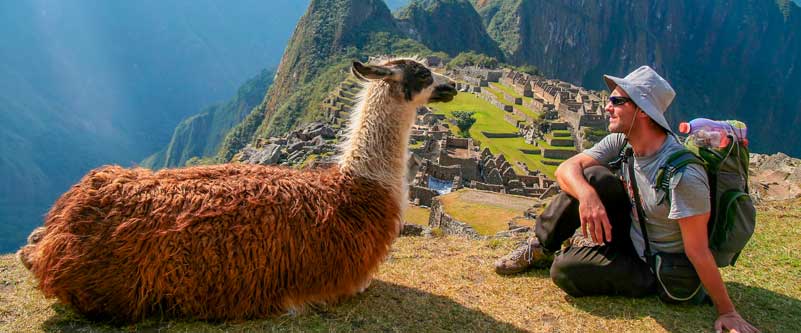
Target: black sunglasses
x: 619, y: 100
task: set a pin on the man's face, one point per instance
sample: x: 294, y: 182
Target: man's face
x: 621, y: 113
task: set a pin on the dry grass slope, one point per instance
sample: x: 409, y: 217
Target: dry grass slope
x: 447, y: 284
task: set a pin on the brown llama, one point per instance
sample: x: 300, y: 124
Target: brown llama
x: 236, y: 241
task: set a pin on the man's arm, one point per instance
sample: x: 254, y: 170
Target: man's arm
x: 570, y: 177
x: 696, y: 246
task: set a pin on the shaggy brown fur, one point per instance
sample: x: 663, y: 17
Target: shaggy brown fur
x: 225, y: 242
x: 237, y: 241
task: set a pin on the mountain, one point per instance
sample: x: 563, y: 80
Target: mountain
x: 200, y: 135
x: 87, y: 83
x: 450, y: 26
x: 726, y: 59
x: 330, y: 35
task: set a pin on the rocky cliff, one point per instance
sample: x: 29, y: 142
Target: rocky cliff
x: 450, y: 26
x: 200, y: 135
x: 727, y: 59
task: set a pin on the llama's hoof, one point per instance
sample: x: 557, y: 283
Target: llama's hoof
x: 36, y: 235
x: 24, y: 256
x: 364, y: 287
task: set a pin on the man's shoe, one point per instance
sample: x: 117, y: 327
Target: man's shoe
x: 528, y: 255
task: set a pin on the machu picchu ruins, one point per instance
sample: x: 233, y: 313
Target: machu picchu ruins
x: 551, y: 117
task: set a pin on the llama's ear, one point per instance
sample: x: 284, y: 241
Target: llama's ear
x: 370, y: 72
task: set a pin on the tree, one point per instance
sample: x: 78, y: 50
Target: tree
x: 528, y: 69
x: 464, y: 120
x: 471, y: 58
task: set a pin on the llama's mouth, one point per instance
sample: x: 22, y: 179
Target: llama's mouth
x: 443, y: 93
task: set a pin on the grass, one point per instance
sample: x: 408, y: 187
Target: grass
x: 418, y: 144
x: 510, y: 91
x: 561, y: 133
x: 497, y: 93
x: 416, y: 215
x: 447, y: 284
x: 546, y: 145
x: 490, y: 119
x: 487, y: 212
x: 497, y: 90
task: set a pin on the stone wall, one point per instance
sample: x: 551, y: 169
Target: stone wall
x: 487, y: 187
x: 444, y: 172
x: 462, y: 143
x: 422, y: 196
x: 450, y: 226
x: 558, y: 154
x: 500, y: 135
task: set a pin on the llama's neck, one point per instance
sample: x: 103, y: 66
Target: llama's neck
x: 378, y: 138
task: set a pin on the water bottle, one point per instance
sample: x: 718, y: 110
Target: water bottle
x: 713, y: 133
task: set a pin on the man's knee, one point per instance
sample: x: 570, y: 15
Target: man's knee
x: 606, y: 184
x: 599, y: 175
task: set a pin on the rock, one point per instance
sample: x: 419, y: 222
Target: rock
x: 485, y: 153
x: 297, y: 157
x: 494, y: 177
x: 489, y: 166
x: 774, y: 177
x: 409, y: 229
x: 317, y: 141
x: 269, y: 154
x: 499, y: 159
x: 509, y: 175
x: 292, y: 148
x: 531, y: 212
x: 328, y: 132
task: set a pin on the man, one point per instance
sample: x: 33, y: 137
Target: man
x: 600, y: 203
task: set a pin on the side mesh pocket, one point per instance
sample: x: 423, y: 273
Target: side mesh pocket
x: 734, y: 226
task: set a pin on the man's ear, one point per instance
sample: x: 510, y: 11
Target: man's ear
x: 370, y: 72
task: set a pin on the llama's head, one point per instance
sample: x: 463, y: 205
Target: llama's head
x: 408, y: 81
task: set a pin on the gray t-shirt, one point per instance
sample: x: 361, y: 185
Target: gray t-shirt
x: 689, y: 193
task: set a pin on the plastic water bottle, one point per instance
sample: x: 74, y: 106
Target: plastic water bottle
x: 714, y: 133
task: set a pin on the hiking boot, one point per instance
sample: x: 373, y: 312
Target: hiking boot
x: 528, y: 255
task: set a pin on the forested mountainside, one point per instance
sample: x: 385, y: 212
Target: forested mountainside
x: 199, y: 136
x: 85, y: 83
x: 450, y: 26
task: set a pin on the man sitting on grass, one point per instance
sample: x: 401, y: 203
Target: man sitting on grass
x: 601, y: 204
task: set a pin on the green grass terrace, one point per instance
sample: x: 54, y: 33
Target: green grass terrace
x: 491, y: 119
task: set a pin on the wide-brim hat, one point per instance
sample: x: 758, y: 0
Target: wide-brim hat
x: 648, y: 90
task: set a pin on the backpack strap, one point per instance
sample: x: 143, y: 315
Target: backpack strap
x: 675, y: 163
x: 632, y: 180
x: 617, y: 164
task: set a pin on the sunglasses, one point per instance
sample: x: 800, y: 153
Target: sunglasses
x: 619, y: 100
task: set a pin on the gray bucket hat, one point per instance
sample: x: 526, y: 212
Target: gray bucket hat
x: 648, y: 90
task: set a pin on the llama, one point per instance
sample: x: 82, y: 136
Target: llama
x: 235, y: 241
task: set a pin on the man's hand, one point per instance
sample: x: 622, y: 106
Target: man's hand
x: 594, y: 219
x: 732, y: 322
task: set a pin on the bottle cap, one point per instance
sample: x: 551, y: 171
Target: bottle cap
x: 725, y: 141
x: 684, y: 127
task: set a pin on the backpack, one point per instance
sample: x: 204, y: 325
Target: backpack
x: 733, y: 215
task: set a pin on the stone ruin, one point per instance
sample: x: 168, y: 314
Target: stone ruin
x: 292, y: 149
